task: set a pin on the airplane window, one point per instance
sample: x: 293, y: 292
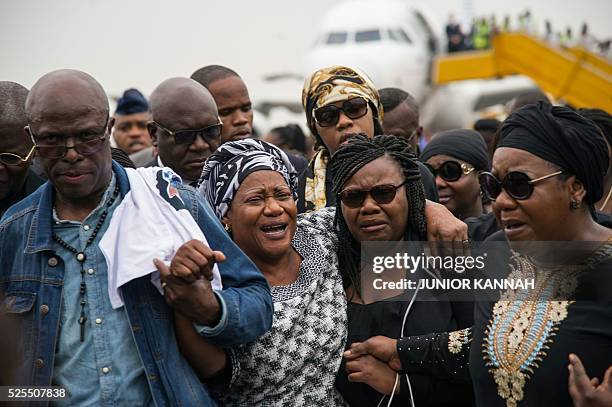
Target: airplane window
x: 367, y: 36
x: 392, y: 35
x: 403, y: 36
x: 336, y: 38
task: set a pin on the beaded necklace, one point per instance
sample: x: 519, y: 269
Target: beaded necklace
x: 81, y: 257
x: 524, y: 323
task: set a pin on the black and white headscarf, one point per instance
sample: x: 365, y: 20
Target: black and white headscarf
x: 227, y: 167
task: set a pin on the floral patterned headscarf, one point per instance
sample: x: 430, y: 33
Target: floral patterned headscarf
x: 335, y: 84
x: 330, y: 85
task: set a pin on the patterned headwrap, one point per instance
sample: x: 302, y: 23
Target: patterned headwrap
x: 335, y: 84
x: 330, y: 85
x: 227, y: 168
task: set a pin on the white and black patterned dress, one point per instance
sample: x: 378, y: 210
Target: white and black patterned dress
x: 295, y: 363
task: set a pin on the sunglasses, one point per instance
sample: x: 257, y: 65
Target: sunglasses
x: 210, y: 134
x: 12, y: 159
x: 450, y: 171
x: 382, y: 194
x: 329, y: 115
x: 517, y: 184
x: 54, y: 146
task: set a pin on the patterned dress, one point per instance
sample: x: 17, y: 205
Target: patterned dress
x: 295, y: 363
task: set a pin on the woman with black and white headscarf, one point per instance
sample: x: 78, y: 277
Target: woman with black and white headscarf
x: 251, y: 187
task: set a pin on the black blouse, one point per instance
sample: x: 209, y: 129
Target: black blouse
x: 586, y: 330
x: 430, y: 369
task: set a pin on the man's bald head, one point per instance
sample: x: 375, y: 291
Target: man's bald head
x: 180, y: 96
x: 69, y: 107
x: 184, y: 104
x: 63, y: 92
x: 12, y: 104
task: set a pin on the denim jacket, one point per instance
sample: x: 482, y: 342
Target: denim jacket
x: 32, y: 275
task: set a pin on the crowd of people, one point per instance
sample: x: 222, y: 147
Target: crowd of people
x: 196, y: 263
x: 481, y: 31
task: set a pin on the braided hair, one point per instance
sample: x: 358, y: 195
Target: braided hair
x: 350, y: 158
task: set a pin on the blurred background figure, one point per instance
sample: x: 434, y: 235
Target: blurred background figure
x: 456, y: 158
x: 527, y: 98
x: 130, y: 122
x: 234, y: 105
x: 604, y: 121
x: 487, y: 129
x: 401, y: 117
x: 232, y: 98
x: 289, y: 138
x: 454, y: 35
x: 17, y: 180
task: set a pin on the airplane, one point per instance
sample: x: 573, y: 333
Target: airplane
x: 391, y: 41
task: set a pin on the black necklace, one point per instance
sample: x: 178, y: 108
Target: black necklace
x: 80, y: 256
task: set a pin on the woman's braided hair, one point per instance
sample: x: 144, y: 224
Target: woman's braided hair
x: 350, y: 158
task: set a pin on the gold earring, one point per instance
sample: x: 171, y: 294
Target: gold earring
x: 227, y: 227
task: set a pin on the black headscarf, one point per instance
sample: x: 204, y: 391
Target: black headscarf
x: 563, y: 137
x: 463, y: 144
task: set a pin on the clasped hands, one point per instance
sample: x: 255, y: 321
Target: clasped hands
x: 374, y: 362
x: 186, y: 282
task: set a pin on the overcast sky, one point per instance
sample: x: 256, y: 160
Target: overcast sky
x: 139, y: 43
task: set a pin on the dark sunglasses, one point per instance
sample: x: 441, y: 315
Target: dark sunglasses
x: 450, y: 170
x: 12, y: 159
x: 55, y: 147
x: 329, y: 115
x: 210, y: 134
x: 517, y: 184
x: 382, y: 194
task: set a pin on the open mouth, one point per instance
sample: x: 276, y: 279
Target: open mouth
x: 444, y: 199
x: 513, y: 227
x: 276, y: 229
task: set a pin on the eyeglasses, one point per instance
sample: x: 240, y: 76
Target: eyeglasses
x: 382, y: 194
x: 12, y: 159
x: 210, y: 134
x: 54, y: 146
x: 517, y: 184
x: 450, y: 170
x: 329, y: 115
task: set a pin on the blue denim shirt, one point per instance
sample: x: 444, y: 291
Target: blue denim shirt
x: 105, y: 368
x: 32, y: 277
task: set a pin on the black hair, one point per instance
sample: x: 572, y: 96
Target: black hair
x: 350, y: 158
x: 390, y: 98
x: 491, y: 125
x: 528, y: 98
x: 602, y: 119
x: 293, y: 136
x: 212, y: 73
x: 12, y: 103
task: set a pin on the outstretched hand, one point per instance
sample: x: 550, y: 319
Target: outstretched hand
x: 587, y: 392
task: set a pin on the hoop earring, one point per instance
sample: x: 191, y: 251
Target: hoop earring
x: 227, y: 227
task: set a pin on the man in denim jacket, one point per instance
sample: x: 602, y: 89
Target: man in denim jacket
x: 53, y: 276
